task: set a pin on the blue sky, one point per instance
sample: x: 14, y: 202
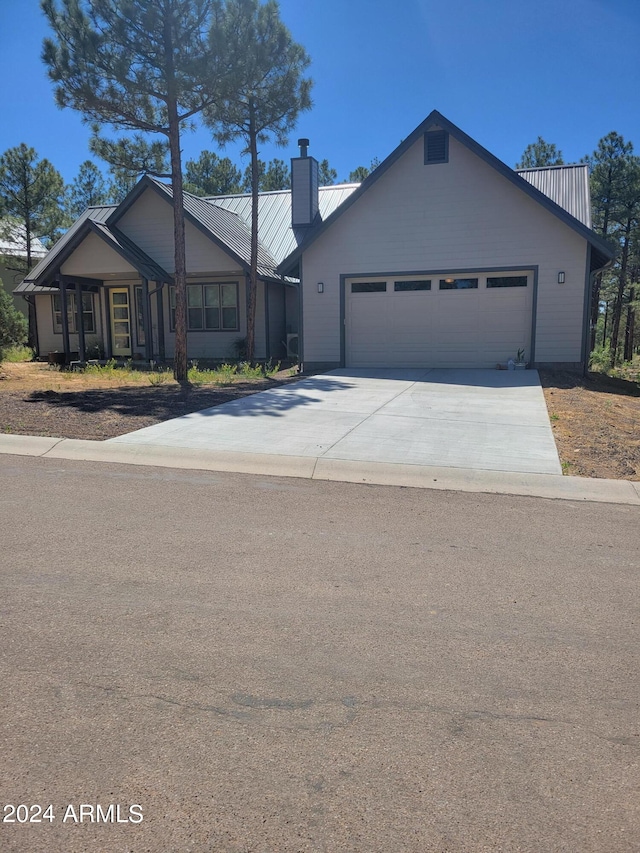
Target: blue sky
x: 505, y: 71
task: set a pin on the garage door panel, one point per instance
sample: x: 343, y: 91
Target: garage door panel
x: 434, y: 328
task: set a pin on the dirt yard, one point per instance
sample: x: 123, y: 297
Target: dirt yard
x: 596, y: 424
x: 38, y: 400
x: 596, y: 421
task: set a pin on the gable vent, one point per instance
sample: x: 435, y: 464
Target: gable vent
x: 436, y: 146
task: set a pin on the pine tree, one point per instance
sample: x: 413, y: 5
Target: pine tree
x: 137, y: 66
x: 326, y: 175
x: 212, y: 175
x: 31, y: 194
x: 268, y: 94
x: 540, y: 153
x: 608, y: 167
x: 88, y: 188
x: 31, y: 205
x: 274, y: 175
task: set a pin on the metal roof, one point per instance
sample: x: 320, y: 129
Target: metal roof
x: 228, y: 230
x: 274, y: 215
x: 226, y: 219
x: 13, y: 241
x: 568, y: 186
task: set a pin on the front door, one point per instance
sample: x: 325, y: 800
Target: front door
x: 120, y: 313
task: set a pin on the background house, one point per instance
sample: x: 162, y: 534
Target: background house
x: 13, y: 259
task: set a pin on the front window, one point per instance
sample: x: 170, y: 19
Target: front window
x: 210, y: 307
x: 88, y: 314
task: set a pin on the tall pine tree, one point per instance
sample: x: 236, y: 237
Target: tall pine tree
x: 31, y: 205
x: 137, y: 66
x: 269, y: 92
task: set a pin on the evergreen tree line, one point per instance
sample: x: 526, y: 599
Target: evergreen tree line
x: 614, y: 176
x: 33, y: 193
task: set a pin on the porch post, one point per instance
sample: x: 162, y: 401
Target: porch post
x: 146, y: 321
x: 80, y: 322
x: 65, y: 319
x: 160, y: 295
x: 267, y: 336
x: 106, y: 332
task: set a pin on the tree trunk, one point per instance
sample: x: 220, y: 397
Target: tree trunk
x: 630, y: 327
x: 32, y: 335
x: 253, y: 272
x: 180, y: 274
x: 595, y: 308
x: 622, y: 283
x: 180, y: 262
x: 597, y: 287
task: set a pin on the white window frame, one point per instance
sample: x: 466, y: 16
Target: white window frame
x: 72, y: 314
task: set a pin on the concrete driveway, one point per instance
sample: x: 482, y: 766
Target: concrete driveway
x: 478, y: 419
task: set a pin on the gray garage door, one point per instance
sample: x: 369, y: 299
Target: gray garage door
x: 439, y: 320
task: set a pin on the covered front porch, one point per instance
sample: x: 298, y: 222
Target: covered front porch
x: 98, y: 290
x: 108, y: 319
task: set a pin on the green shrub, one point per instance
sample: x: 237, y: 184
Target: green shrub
x: 250, y: 371
x: 13, y: 324
x: 270, y: 369
x: 159, y: 377
x: 18, y: 352
x: 107, y: 369
x: 600, y: 359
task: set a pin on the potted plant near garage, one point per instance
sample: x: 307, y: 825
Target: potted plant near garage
x: 520, y: 363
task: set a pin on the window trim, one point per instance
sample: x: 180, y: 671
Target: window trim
x: 406, y: 281
x: 72, y: 313
x: 202, y: 285
x: 374, y: 287
x: 505, y: 278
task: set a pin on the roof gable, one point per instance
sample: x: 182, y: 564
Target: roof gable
x: 91, y: 222
x: 436, y: 120
x: 223, y: 227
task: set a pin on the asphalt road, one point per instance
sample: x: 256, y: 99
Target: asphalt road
x: 265, y: 665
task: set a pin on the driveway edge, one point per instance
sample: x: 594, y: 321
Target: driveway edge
x: 320, y: 468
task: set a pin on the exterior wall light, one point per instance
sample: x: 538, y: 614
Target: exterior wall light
x: 560, y: 278
x: 321, y: 286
